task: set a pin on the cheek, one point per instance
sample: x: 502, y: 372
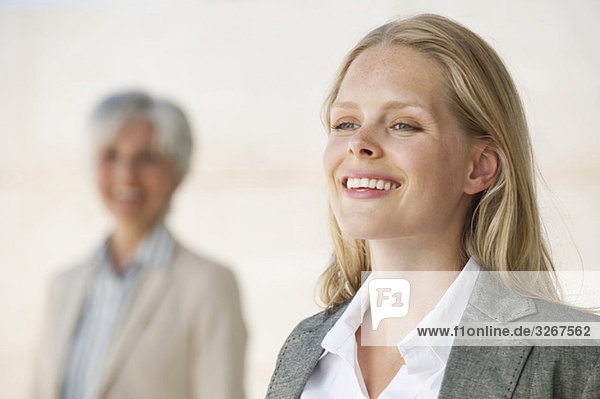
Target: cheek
x: 456, y: 156
x: 446, y: 173
x: 159, y: 182
x: 103, y: 177
x: 419, y: 159
x: 333, y: 155
x: 433, y: 169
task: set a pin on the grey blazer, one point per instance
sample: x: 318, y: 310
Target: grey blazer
x: 471, y: 371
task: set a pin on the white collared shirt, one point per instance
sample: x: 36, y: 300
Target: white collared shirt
x: 338, y: 374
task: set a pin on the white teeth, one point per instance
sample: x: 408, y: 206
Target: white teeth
x: 355, y: 183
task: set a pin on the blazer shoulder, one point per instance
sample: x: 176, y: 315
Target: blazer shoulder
x: 561, y: 312
x: 300, y: 353
x: 189, y: 267
x: 70, y: 274
x: 193, y: 262
x: 323, y: 320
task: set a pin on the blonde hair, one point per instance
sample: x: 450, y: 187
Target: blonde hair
x: 503, y: 230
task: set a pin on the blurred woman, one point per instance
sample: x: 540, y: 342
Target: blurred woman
x: 430, y: 174
x: 143, y: 317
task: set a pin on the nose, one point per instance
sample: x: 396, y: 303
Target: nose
x: 364, y: 144
x: 126, y: 170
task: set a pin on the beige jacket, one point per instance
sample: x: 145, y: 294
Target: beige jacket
x: 183, y: 335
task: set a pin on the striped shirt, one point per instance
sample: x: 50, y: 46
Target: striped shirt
x: 105, y: 306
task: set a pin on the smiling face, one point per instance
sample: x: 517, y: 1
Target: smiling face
x: 135, y: 181
x: 396, y: 160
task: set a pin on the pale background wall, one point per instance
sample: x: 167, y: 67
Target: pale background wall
x: 252, y: 75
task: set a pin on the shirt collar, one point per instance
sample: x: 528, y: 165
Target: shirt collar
x: 155, y: 250
x: 446, y: 314
x: 418, y: 352
x: 340, y: 338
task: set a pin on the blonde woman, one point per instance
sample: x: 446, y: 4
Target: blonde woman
x: 430, y: 171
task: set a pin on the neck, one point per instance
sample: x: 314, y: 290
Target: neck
x: 430, y: 264
x: 123, y: 242
x: 417, y: 253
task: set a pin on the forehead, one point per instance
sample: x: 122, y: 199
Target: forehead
x: 134, y: 133
x: 393, y: 73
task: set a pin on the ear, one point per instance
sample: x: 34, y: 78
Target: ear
x: 483, y: 168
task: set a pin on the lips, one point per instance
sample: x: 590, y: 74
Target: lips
x: 126, y: 194
x: 366, y: 185
x: 373, y: 184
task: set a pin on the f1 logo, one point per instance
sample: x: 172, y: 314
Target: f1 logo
x: 389, y: 298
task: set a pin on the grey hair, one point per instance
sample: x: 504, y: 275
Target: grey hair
x: 172, y: 131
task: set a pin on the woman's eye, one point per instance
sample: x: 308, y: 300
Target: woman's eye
x: 405, y: 127
x: 345, y: 126
x: 108, y: 156
x: 148, y: 158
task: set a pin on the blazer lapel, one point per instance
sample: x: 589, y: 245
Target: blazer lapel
x: 150, y: 290
x: 299, y: 356
x: 67, y: 318
x: 474, y: 371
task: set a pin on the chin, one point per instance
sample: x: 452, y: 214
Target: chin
x: 363, y: 231
x: 126, y: 216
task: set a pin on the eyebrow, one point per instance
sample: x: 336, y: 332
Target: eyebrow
x: 388, y: 105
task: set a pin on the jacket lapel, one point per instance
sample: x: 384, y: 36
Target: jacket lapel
x: 68, y: 315
x: 151, y: 288
x: 474, y: 371
x: 299, y: 356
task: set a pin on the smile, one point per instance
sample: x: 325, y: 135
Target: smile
x: 364, y: 187
x: 357, y: 183
x: 126, y: 194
